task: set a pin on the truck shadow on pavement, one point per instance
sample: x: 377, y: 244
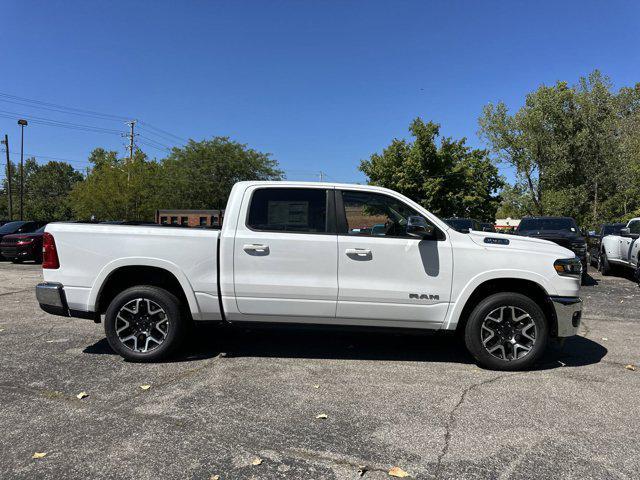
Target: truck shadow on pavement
x: 286, y: 342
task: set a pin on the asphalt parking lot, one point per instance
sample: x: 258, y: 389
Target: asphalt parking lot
x: 416, y: 402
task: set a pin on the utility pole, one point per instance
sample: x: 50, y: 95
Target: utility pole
x: 22, y: 123
x: 5, y: 142
x: 321, y: 176
x: 131, y: 136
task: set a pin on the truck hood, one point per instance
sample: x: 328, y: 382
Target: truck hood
x: 517, y: 242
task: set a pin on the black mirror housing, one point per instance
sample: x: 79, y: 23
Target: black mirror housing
x: 418, y: 227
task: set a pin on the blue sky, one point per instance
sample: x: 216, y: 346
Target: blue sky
x: 320, y: 85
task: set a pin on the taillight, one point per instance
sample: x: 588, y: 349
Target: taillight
x: 49, y: 252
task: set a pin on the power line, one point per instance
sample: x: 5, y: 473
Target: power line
x: 61, y: 159
x: 155, y: 142
x: 5, y: 97
x: 148, y: 125
x: 57, y: 123
x: 78, y: 111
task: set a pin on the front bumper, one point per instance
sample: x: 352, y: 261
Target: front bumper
x: 568, y: 312
x: 52, y: 300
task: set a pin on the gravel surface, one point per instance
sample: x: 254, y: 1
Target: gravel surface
x: 413, y: 401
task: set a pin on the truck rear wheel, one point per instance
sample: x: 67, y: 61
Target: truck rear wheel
x: 144, y: 323
x: 506, y: 331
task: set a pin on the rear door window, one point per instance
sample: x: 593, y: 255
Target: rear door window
x: 302, y: 210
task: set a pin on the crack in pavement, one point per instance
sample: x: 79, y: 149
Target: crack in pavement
x: 452, y: 417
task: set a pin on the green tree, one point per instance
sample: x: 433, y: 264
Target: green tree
x: 201, y: 174
x: 514, y: 203
x: 571, y: 147
x: 449, y: 179
x: 118, y: 189
x: 47, y: 191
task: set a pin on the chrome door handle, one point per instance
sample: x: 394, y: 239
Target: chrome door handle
x: 360, y: 252
x: 255, y: 247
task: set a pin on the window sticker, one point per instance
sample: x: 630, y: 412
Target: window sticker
x: 287, y: 212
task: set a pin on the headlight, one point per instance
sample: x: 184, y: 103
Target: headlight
x: 568, y: 267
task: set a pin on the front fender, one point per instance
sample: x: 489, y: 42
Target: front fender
x: 171, y: 267
x: 467, y: 290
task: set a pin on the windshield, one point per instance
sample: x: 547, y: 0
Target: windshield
x: 11, y: 227
x: 528, y: 224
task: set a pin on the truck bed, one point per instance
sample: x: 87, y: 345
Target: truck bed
x: 89, y: 253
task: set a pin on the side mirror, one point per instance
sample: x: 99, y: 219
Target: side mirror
x: 418, y: 227
x: 625, y: 231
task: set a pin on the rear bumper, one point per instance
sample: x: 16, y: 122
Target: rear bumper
x: 52, y: 300
x: 568, y: 311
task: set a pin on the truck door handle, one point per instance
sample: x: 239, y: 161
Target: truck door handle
x: 256, y: 247
x: 359, y: 252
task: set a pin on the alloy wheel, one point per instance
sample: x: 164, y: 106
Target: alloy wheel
x: 508, y: 333
x: 142, y: 325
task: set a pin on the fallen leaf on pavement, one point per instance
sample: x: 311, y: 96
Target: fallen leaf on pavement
x: 315, y: 386
x: 145, y: 387
x: 362, y: 469
x: 256, y: 461
x: 39, y: 455
x: 1, y: 329
x: 398, y: 472
x: 321, y: 416
x: 605, y: 338
x: 215, y: 477
x: 630, y: 367
x: 82, y: 395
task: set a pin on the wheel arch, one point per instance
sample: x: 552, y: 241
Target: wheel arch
x: 120, y: 275
x: 526, y: 287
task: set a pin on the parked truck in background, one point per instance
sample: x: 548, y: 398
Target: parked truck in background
x: 315, y: 253
x: 561, y: 230
x: 594, y: 241
x: 621, y: 249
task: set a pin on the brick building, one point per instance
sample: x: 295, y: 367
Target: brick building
x: 190, y: 218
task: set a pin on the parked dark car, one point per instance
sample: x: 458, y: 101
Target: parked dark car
x: 463, y: 224
x: 594, y: 240
x: 488, y: 227
x: 561, y: 230
x: 18, y: 227
x: 23, y: 246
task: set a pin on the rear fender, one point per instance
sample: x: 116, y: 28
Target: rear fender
x: 172, y: 268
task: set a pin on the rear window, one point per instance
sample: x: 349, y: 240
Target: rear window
x: 288, y: 210
x: 11, y: 227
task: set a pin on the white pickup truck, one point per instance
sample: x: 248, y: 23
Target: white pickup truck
x: 622, y: 249
x: 314, y: 253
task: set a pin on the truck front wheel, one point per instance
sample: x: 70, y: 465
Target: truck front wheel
x: 603, y: 264
x: 506, y: 331
x: 144, y: 323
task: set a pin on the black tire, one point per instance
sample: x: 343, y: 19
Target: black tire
x: 16, y: 260
x: 604, y: 265
x: 474, y: 332
x: 176, y: 320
